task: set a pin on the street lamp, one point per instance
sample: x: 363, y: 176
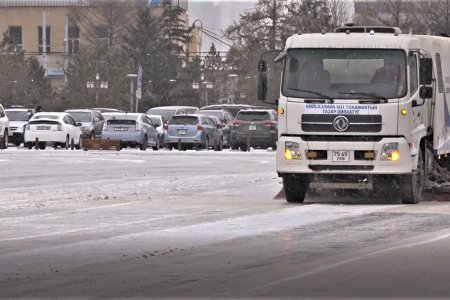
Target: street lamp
x: 131, y: 76
x: 205, y: 85
x: 97, y: 85
x: 233, y: 86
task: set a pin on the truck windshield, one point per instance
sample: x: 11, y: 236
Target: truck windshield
x: 345, y: 74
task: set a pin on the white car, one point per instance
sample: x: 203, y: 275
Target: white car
x: 4, y: 125
x: 54, y: 129
x: 158, y: 120
x: 18, y: 120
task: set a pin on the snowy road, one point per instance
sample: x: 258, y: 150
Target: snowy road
x: 204, y: 225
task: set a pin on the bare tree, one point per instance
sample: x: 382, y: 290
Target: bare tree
x: 340, y: 11
x: 308, y: 16
x: 398, y: 13
x: 262, y: 26
x: 436, y: 16
x: 103, y: 19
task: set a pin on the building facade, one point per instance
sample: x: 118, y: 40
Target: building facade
x: 41, y: 28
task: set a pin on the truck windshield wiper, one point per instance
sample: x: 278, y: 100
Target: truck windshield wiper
x: 331, y: 100
x: 374, y: 95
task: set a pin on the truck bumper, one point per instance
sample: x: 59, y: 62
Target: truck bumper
x: 354, y: 165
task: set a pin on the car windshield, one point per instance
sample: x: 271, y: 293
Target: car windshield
x: 81, y: 116
x: 345, y: 73
x: 122, y: 119
x: 253, y: 116
x: 215, y: 113
x: 52, y: 117
x: 165, y: 113
x: 156, y: 120
x: 17, y: 115
x: 186, y: 120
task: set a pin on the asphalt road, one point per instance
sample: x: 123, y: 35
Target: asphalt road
x: 209, y: 225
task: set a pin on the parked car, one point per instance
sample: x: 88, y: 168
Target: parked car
x: 255, y: 128
x: 225, y: 120
x: 18, y: 120
x: 158, y: 120
x: 105, y: 109
x: 193, y: 131
x: 232, y: 108
x: 91, y: 121
x: 168, y: 111
x: 132, y: 129
x: 4, y: 125
x: 54, y: 129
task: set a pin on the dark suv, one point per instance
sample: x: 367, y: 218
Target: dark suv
x: 255, y: 128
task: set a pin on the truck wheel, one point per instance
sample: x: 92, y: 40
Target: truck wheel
x: 412, y: 185
x: 295, y: 187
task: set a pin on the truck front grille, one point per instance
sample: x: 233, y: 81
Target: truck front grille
x: 357, y: 123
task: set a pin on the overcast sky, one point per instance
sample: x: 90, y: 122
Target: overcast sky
x: 216, y: 16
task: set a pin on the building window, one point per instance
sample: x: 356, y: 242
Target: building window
x: 15, y: 34
x: 48, y: 47
x: 74, y: 39
x: 102, y: 33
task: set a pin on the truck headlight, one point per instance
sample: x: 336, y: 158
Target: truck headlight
x: 390, y: 152
x: 292, y: 151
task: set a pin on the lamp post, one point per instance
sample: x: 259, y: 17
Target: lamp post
x: 97, y: 85
x: 131, y: 76
x: 205, y: 85
x: 233, y: 86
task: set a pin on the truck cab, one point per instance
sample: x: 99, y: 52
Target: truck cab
x: 362, y: 110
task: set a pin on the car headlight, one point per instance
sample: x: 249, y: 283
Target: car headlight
x: 390, y: 152
x: 292, y: 151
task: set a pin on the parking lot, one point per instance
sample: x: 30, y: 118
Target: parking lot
x: 202, y: 224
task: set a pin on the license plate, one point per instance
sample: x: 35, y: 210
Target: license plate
x: 251, y: 127
x: 181, y: 131
x: 121, y: 129
x: 43, y: 127
x: 341, y: 156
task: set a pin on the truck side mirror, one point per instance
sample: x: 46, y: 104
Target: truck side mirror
x: 426, y: 71
x: 262, y: 80
x: 426, y: 92
x: 262, y: 86
x: 262, y: 66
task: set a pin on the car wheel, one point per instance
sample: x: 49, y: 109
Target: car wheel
x: 29, y: 146
x: 42, y: 146
x: 244, y: 148
x: 158, y: 144
x: 4, y: 143
x: 80, y: 143
x: 67, y: 143
x: 143, y: 146
x: 219, y: 147
x: 72, y: 144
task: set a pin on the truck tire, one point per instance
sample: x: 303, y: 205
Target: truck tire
x: 412, y: 185
x: 295, y: 187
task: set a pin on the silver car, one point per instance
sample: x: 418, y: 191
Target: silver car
x: 193, y: 131
x: 132, y: 129
x: 91, y: 121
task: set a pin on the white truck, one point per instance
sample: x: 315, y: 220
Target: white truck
x: 363, y: 108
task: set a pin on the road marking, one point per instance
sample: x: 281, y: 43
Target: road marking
x: 321, y: 269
